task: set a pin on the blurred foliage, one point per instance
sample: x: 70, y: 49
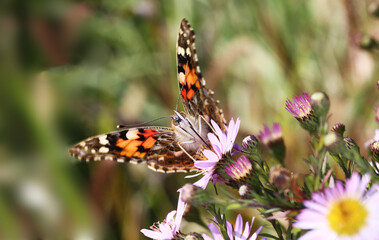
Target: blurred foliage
x: 73, y: 69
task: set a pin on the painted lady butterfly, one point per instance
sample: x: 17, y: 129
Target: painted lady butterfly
x: 165, y: 149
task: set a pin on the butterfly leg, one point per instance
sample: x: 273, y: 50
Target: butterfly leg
x: 201, y: 117
x: 184, y: 150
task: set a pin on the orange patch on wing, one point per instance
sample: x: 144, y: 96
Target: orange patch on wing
x: 130, y: 147
x: 184, y: 94
x: 191, y: 77
x: 190, y: 94
x: 121, y: 143
x: 190, y: 80
x: 148, y: 133
x: 149, y: 143
x: 139, y: 154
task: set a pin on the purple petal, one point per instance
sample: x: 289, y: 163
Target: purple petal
x: 205, y: 164
x: 210, y: 155
x: 238, y: 226
x: 151, y: 234
x: 203, y: 182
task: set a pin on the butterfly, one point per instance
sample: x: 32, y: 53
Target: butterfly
x: 165, y: 149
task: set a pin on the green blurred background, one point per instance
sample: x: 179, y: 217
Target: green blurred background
x: 73, y: 69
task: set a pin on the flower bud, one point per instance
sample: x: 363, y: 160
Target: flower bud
x: 333, y: 142
x: 339, y: 128
x: 243, y: 191
x: 193, y: 195
x: 320, y: 104
x: 280, y: 177
x: 301, y: 109
x: 250, y: 143
x: 351, y: 144
x: 375, y: 150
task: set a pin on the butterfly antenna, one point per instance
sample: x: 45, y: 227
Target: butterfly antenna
x: 142, y: 124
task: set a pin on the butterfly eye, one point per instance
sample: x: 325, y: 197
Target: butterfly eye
x: 175, y: 120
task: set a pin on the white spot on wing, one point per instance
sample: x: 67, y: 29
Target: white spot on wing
x: 133, y: 161
x: 103, y: 150
x: 180, y: 51
x: 103, y: 140
x: 132, y: 134
x: 152, y: 168
x: 182, y: 77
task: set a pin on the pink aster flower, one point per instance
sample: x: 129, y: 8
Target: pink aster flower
x: 300, y: 107
x: 169, y: 228
x: 269, y: 137
x: 347, y: 211
x: 240, y: 169
x: 222, y: 144
x: 274, y: 141
x: 239, y: 232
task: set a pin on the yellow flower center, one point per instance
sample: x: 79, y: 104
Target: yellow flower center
x: 347, y: 216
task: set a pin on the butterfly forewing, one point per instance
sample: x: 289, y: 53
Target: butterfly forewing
x: 197, y: 99
x: 154, y: 145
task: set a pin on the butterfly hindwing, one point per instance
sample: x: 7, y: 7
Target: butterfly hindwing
x: 154, y: 145
x: 197, y: 99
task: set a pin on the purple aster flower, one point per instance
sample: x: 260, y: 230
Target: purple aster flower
x: 377, y: 113
x: 240, y: 169
x: 268, y: 137
x: 169, y: 228
x: 222, y: 144
x: 239, y: 233
x: 301, y: 105
x: 274, y: 141
x: 301, y: 109
x: 347, y: 211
